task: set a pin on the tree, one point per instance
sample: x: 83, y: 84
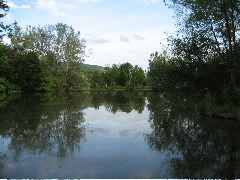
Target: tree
x: 125, y: 74
x: 69, y: 47
x: 4, y: 68
x: 219, y: 21
x: 60, y: 49
x: 4, y: 60
x: 138, y: 76
x: 3, y: 8
x: 111, y: 75
x: 27, y: 72
x: 59, y: 39
x: 205, y: 52
x: 97, y: 79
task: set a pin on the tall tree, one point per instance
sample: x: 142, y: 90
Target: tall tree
x: 60, y: 48
x: 208, y: 41
x: 218, y: 21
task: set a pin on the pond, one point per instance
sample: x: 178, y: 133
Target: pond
x: 114, y: 135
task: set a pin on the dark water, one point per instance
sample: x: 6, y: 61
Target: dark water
x: 114, y: 135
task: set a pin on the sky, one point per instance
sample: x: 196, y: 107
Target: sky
x: 116, y: 31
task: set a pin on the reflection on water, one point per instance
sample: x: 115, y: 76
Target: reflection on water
x: 34, y: 124
x: 199, y: 147
x: 114, y: 135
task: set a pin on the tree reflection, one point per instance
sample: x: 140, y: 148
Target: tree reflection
x: 198, y: 147
x: 35, y: 124
x: 55, y: 124
x: 119, y: 101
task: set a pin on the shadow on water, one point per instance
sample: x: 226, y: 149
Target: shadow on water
x: 38, y: 126
x: 198, y: 147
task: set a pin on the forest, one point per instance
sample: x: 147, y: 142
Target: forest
x: 202, y: 58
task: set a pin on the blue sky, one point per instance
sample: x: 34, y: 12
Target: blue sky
x: 116, y: 31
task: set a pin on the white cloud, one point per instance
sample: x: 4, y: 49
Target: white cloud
x: 138, y: 37
x: 57, y: 8
x: 61, y: 7
x: 18, y: 6
x: 87, y: 1
x: 152, y: 1
x: 124, y: 39
x: 25, y: 6
x: 98, y: 41
x: 137, y: 52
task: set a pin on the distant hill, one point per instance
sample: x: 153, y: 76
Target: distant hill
x: 88, y: 67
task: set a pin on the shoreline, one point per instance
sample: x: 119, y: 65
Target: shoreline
x: 214, y: 111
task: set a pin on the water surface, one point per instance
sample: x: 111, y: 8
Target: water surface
x: 114, y: 135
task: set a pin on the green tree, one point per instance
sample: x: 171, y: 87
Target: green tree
x: 111, y: 75
x: 204, y: 54
x: 161, y: 72
x: 216, y: 20
x: 4, y: 60
x: 60, y: 49
x: 69, y: 47
x: 3, y: 8
x: 5, y: 68
x: 27, y: 72
x: 138, y: 77
x: 208, y: 30
x: 97, y: 79
x: 125, y: 74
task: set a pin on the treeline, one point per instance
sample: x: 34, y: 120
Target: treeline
x: 205, y: 54
x: 118, y: 76
x: 51, y: 57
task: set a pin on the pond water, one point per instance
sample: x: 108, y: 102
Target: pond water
x: 114, y: 135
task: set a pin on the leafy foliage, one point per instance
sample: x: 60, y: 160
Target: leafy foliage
x: 27, y: 71
x: 44, y: 58
x: 205, y: 53
x: 118, y: 76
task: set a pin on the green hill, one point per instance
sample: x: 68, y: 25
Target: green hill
x: 88, y: 67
